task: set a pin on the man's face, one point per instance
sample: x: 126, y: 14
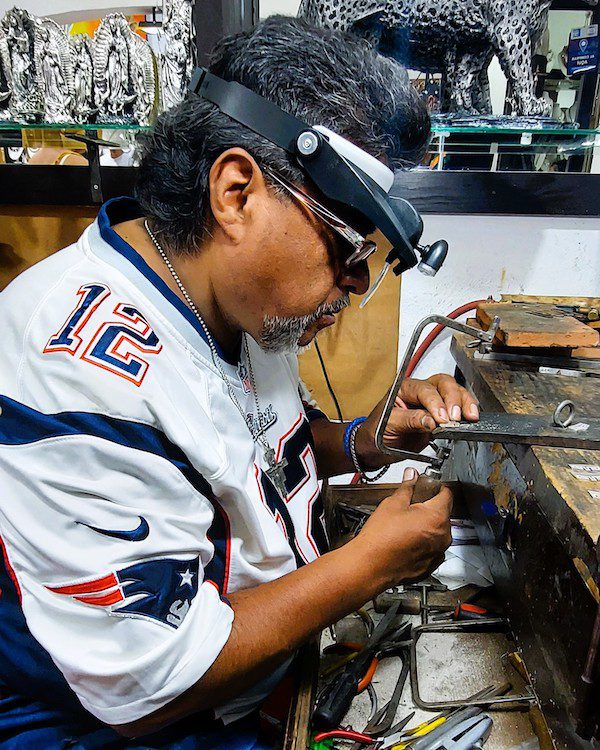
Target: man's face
x: 306, y: 280
x: 280, y: 271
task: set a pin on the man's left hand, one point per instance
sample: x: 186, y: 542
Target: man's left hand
x: 420, y: 406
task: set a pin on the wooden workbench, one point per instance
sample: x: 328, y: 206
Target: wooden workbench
x: 541, y: 529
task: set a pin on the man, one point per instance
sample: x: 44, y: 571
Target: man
x: 164, y: 549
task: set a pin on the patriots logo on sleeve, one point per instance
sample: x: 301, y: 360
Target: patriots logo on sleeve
x: 161, y: 590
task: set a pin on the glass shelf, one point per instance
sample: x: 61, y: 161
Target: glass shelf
x: 516, y: 146
x: 4, y: 125
x: 435, y: 128
x: 520, y: 147
x: 512, y: 130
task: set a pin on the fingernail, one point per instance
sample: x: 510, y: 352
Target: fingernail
x: 456, y: 413
x: 428, y: 422
x: 473, y: 411
x: 408, y: 475
x: 443, y: 414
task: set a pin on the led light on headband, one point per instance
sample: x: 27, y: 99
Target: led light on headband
x: 342, y: 172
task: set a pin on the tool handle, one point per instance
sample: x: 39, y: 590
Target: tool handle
x: 425, y: 488
x: 470, y: 612
x: 334, y: 704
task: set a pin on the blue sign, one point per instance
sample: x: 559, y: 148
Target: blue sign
x: 583, y: 52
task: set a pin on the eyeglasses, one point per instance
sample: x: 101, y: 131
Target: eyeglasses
x: 362, y: 248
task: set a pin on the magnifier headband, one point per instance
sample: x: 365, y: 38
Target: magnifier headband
x: 341, y: 171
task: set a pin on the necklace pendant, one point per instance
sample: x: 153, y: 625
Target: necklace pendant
x: 276, y: 471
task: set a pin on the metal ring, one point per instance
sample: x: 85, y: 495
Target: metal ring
x: 564, y: 421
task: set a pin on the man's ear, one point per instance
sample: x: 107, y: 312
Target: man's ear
x: 237, y: 192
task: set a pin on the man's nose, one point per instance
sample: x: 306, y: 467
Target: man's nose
x: 354, y: 279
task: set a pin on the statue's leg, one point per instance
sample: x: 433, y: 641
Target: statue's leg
x: 482, y: 98
x: 465, y: 80
x: 480, y: 89
x: 448, y: 80
x: 510, y: 39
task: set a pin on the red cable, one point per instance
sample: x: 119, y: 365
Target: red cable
x: 427, y: 342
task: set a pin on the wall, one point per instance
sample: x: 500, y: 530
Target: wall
x: 494, y: 255
x: 286, y: 7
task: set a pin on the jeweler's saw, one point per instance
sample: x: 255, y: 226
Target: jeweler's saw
x: 561, y: 429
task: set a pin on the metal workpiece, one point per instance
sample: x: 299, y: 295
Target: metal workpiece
x: 492, y: 624
x: 482, y: 340
x: 525, y: 429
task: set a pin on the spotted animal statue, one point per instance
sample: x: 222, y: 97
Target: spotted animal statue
x: 455, y: 37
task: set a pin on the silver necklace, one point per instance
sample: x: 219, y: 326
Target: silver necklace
x: 276, y: 470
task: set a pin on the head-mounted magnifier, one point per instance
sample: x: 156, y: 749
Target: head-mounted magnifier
x: 341, y: 171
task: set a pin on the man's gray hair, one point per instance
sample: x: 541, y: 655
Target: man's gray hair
x: 321, y: 76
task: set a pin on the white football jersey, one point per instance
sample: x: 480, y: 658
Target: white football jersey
x: 133, y: 498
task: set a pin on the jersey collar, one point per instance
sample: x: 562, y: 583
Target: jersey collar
x: 122, y: 209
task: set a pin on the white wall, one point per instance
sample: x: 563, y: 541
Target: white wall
x: 284, y: 7
x: 495, y: 255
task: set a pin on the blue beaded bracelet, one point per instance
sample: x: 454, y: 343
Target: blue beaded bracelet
x: 348, y: 433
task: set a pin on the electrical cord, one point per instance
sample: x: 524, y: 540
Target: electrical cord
x: 328, y: 382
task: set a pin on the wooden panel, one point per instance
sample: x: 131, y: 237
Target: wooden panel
x: 30, y: 233
x: 298, y: 730
x: 543, y: 548
x: 536, y: 325
x: 360, y: 350
x: 516, y: 193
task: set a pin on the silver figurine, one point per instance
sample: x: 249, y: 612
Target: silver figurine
x: 5, y: 77
x: 145, y: 81
x: 54, y: 66
x: 113, y: 82
x: 177, y: 61
x: 26, y: 100
x: 124, y: 73
x: 83, y: 78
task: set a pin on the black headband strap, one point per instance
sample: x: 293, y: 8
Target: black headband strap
x: 250, y: 109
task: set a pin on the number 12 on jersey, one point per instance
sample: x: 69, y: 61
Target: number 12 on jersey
x: 116, y: 345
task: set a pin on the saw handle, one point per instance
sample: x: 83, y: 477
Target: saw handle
x: 425, y: 488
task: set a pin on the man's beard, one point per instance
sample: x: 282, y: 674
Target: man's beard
x: 281, y: 335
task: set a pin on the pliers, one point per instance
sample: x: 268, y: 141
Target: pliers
x: 459, y: 734
x: 359, y: 737
x: 344, y: 734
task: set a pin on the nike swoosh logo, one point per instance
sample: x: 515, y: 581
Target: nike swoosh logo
x: 136, y: 535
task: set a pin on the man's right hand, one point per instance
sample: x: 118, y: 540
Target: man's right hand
x: 407, y: 542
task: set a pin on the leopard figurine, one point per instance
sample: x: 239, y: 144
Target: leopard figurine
x: 455, y: 37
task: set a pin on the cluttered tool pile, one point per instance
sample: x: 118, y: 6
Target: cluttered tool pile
x: 549, y: 338
x: 379, y: 653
